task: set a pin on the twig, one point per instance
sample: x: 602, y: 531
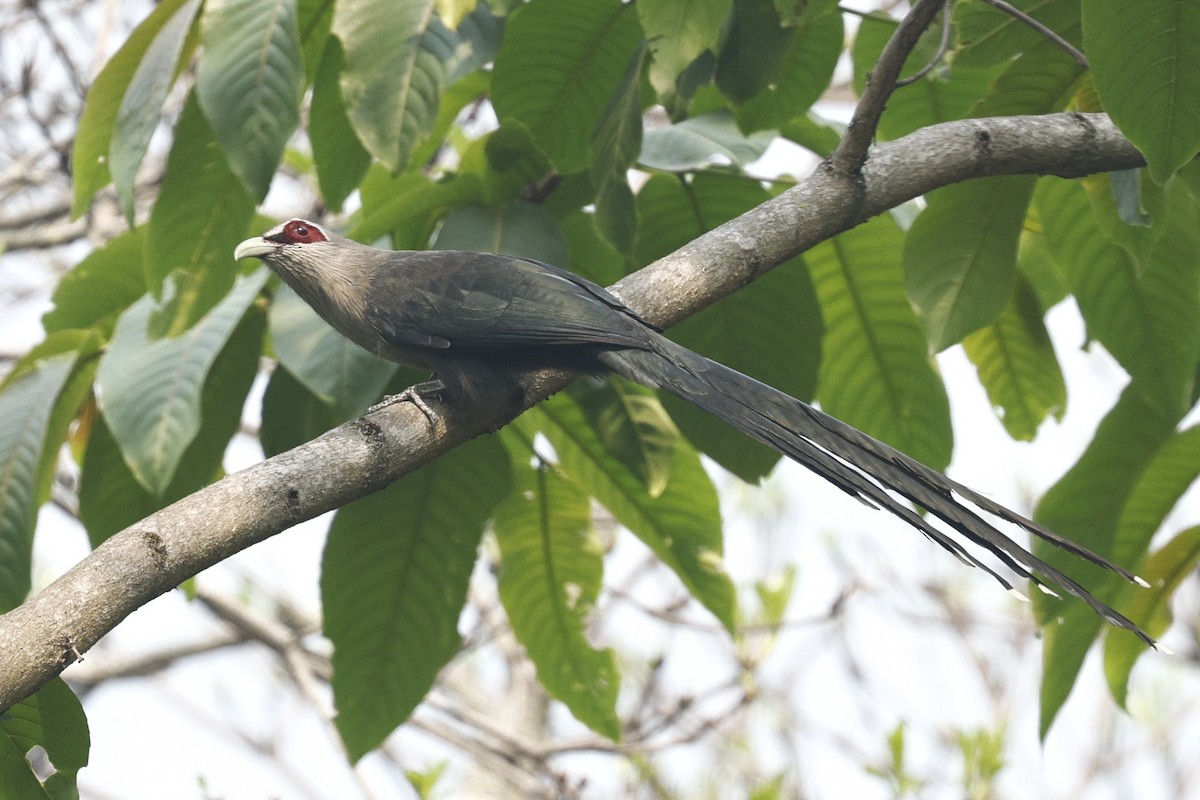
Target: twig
x: 943, y: 46
x: 1021, y: 16
x: 851, y: 151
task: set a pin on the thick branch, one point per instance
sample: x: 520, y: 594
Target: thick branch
x: 42, y: 636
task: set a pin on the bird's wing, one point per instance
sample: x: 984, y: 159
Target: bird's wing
x: 484, y: 301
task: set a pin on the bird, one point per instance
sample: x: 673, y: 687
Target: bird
x: 470, y: 316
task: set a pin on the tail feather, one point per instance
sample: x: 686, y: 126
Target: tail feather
x: 859, y: 465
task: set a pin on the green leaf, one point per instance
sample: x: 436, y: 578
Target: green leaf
x: 391, y: 203
x: 753, y: 50
x: 93, y: 140
x: 678, y: 32
x: 960, y: 276
x: 1145, y: 62
x: 398, y: 56
x: 987, y: 35
x: 517, y: 229
x: 1171, y: 473
x: 292, y: 414
x: 249, y: 83
x: 633, y: 426
x: 200, y: 216
x: 775, y: 594
x: 770, y: 330
x: 314, y: 18
x: 52, y: 719
x: 551, y: 565
x: 615, y: 147
x: 1165, y: 570
x: 559, y: 66
x: 1042, y: 79
x: 25, y: 407
x: 812, y: 133
x: 700, y: 141
x: 875, y: 370
x: 111, y: 498
x: 107, y: 281
x: 471, y: 88
x: 393, y: 583
x: 1146, y: 314
x: 340, y: 158
x: 1017, y: 366
x: 150, y: 390
x: 328, y: 364
x: 805, y: 73
x: 591, y: 255
x: 1085, y: 506
x: 141, y: 106
x: 682, y: 525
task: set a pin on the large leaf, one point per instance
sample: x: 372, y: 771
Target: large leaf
x: 752, y: 49
x: 1017, y: 366
x: 770, y: 330
x: 559, y: 66
x: 700, y: 141
x: 340, y: 158
x: 551, y: 565
x: 682, y: 525
x: 150, y: 389
x: 960, y: 275
x: 875, y: 369
x: 1172, y: 472
x: 111, y: 498
x: 1165, y: 570
x: 987, y: 35
x: 201, y: 214
x: 94, y: 139
x: 1146, y: 313
x: 518, y: 229
x: 633, y: 426
x: 805, y: 73
x: 53, y: 720
x: 1085, y: 506
x: 1041, y: 79
x: 393, y: 583
x: 1145, y: 61
x: 615, y: 146
x: 678, y: 32
x: 249, y: 83
x: 142, y: 104
x: 292, y: 414
x: 100, y: 286
x: 25, y: 407
x: 390, y: 203
x: 397, y: 60
x: 332, y: 367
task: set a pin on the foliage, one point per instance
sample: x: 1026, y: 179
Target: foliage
x: 397, y: 131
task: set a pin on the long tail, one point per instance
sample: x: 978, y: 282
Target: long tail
x: 860, y: 466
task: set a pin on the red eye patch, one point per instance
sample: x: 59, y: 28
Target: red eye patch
x: 298, y: 231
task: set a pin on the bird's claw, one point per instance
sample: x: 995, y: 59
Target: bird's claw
x: 412, y: 395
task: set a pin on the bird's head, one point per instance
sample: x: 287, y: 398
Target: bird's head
x: 289, y: 239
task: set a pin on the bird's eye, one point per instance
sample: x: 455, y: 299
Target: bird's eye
x: 299, y: 231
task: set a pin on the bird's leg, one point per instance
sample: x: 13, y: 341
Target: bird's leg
x: 413, y: 394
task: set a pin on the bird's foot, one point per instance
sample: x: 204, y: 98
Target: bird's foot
x: 413, y: 394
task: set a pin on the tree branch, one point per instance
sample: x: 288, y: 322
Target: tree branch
x: 39, y: 638
x: 852, y: 150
